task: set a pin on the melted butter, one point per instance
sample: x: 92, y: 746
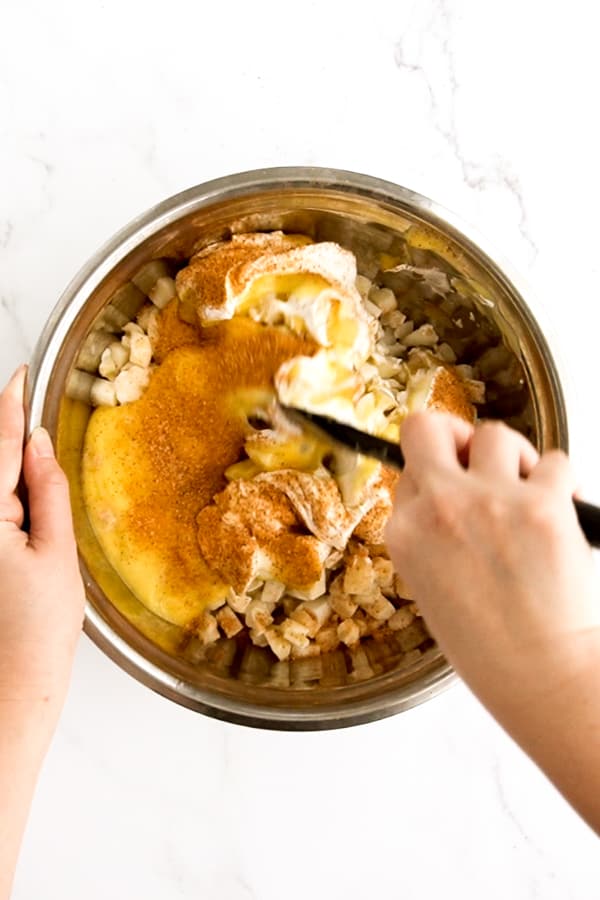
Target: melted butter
x: 304, y: 285
x: 149, y: 467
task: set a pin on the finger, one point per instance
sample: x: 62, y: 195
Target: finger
x: 554, y: 471
x: 48, y: 492
x: 399, y: 520
x: 12, y: 428
x: 11, y: 512
x: 498, y: 451
x: 433, y: 440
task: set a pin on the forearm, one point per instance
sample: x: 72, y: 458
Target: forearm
x: 553, y: 713
x: 24, y: 739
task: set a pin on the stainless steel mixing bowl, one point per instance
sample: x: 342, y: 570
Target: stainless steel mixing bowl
x: 369, y: 216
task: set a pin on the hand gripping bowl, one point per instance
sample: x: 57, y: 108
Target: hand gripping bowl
x: 369, y: 217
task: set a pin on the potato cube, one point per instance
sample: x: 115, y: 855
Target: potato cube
x: 228, y: 621
x: 401, y: 619
x: 348, y: 632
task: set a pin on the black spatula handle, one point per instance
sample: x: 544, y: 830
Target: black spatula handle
x: 589, y: 520
x: 385, y: 451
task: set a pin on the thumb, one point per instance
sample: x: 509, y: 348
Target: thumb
x: 48, y: 494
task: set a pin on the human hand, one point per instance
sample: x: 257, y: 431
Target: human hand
x: 41, y: 610
x: 495, y: 560
x: 41, y: 592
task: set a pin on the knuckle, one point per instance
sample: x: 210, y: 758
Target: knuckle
x: 541, y: 514
x: 11, y: 510
x: 443, y: 510
x: 493, y: 507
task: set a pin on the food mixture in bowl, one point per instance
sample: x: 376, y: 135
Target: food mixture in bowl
x: 221, y: 516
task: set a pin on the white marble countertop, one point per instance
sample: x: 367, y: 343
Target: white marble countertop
x: 489, y: 108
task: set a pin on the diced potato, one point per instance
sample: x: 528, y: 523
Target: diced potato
x: 475, y: 390
x: 393, y: 319
x: 313, y: 614
x: 294, y: 632
x: 222, y: 653
x: 493, y: 360
x: 138, y: 344
x: 372, y: 308
x: 334, y: 558
x: 79, y: 386
x: 103, y: 393
x: 359, y: 576
x: 446, y: 353
x: 363, y: 623
x: 112, y: 319
x: 280, y: 673
x: 336, y: 585
x: 163, y: 292
x: 146, y: 277
x: 400, y: 619
x: 272, y: 592
x: 258, y: 638
x: 289, y: 604
x: 333, y: 668
x: 363, y: 285
x: 361, y: 668
x: 425, y: 336
x: 146, y: 315
x: 384, y: 298
x: 131, y: 382
x: 391, y: 368
x: 278, y: 644
x: 228, y: 621
x: 128, y: 300
x: 207, y: 628
x: 238, y: 602
x: 255, y: 665
x: 466, y: 372
x: 348, y: 632
x: 113, y: 359
x: 384, y: 572
x: 411, y: 636
x: 92, y: 349
x: 108, y: 367
x: 343, y: 604
x: 377, y: 606
x: 311, y: 651
x: 327, y: 638
x: 258, y: 616
x: 305, y: 671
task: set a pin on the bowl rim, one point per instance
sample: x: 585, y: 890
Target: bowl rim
x: 92, y: 273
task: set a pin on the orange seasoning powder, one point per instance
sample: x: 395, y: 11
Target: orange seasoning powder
x: 181, y: 436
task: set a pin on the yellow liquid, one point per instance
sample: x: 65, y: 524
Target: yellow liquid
x: 149, y: 467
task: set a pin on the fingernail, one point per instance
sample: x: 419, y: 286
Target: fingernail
x: 41, y: 443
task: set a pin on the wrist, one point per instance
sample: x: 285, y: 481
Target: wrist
x: 26, y: 728
x: 540, y: 681
x: 30, y: 706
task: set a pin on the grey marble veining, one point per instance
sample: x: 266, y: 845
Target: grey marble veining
x: 472, y: 104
